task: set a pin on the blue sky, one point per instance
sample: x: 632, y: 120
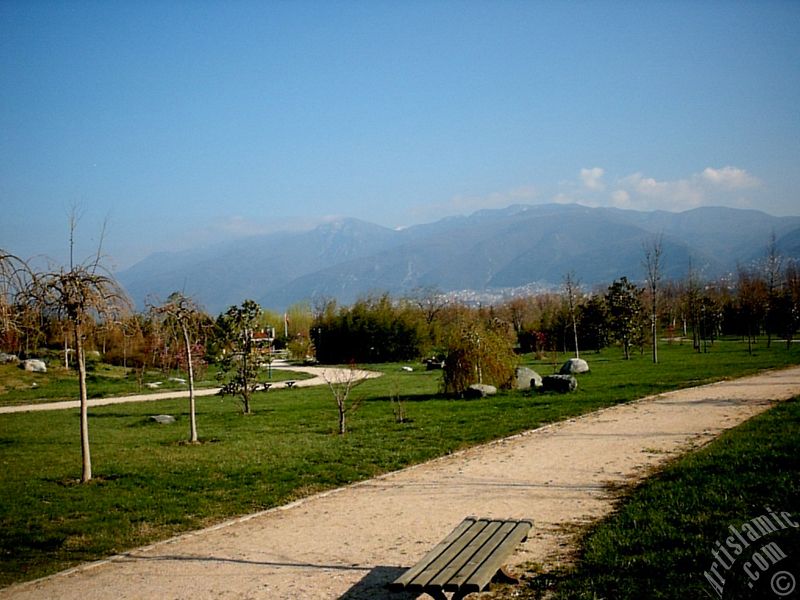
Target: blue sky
x: 181, y: 123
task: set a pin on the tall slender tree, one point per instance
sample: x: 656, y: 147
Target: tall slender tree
x: 80, y: 294
x: 653, y: 251
x: 181, y: 314
x: 571, y: 288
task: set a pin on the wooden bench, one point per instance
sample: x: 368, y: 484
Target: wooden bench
x: 467, y: 560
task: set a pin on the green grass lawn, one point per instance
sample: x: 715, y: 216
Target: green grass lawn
x: 659, y: 542
x: 102, y: 380
x: 150, y: 485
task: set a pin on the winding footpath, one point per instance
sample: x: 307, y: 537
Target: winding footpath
x: 321, y: 375
x: 348, y: 543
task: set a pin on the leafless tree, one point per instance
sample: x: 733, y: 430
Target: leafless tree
x: 773, y: 266
x: 653, y: 251
x: 341, y: 382
x: 15, y: 278
x: 571, y: 289
x: 80, y: 294
x: 181, y: 314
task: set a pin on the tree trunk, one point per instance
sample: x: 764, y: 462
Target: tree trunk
x: 86, y: 458
x: 342, y: 423
x: 190, y: 368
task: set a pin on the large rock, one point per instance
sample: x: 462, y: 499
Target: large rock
x: 34, y: 365
x: 561, y: 384
x: 480, y: 390
x: 527, y: 379
x: 574, y: 366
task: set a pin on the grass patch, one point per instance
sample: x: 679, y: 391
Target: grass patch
x: 150, y: 485
x: 659, y: 542
x: 59, y: 384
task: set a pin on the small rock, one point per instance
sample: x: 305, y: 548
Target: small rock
x: 8, y: 358
x: 561, y: 384
x: 33, y: 365
x: 407, y: 369
x: 163, y: 419
x: 574, y: 366
x: 480, y: 390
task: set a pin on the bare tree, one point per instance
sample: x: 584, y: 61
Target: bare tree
x: 571, y: 288
x: 81, y: 294
x: 15, y: 277
x: 653, y: 251
x: 181, y: 314
x: 773, y: 265
x: 341, y: 382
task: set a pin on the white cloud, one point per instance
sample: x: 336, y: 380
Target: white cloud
x: 593, y: 178
x: 621, y: 199
x: 730, y: 177
x: 711, y: 186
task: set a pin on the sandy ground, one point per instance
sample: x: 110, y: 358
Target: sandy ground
x: 349, y: 543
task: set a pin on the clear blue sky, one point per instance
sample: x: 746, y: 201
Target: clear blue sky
x: 192, y: 122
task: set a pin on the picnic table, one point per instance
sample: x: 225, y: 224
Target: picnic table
x: 467, y: 560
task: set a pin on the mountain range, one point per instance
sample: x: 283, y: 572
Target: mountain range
x: 518, y: 246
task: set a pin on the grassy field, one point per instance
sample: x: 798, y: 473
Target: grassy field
x: 659, y: 543
x: 58, y: 384
x: 150, y: 485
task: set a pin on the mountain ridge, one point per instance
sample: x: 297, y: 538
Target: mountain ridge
x: 495, y: 248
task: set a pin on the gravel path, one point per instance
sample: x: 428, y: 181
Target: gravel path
x: 349, y: 543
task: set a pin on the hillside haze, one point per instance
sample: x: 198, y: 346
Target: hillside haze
x: 489, y: 250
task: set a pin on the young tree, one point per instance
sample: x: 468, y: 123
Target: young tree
x: 652, y: 264
x: 773, y: 265
x: 751, y: 294
x: 80, y: 294
x: 341, y: 382
x: 571, y: 289
x: 181, y: 316
x: 239, y: 365
x: 624, y: 301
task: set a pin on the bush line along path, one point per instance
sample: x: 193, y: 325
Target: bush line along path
x: 350, y: 542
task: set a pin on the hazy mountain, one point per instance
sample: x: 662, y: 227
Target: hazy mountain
x: 489, y: 249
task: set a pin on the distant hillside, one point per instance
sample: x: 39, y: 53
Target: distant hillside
x: 489, y: 249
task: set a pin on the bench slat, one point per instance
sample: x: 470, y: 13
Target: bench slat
x: 448, y: 555
x: 481, y: 578
x: 456, y: 565
x: 471, y: 563
x: 467, y: 559
x: 406, y: 578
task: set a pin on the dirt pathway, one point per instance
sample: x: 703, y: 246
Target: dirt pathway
x: 320, y: 376
x: 348, y: 543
